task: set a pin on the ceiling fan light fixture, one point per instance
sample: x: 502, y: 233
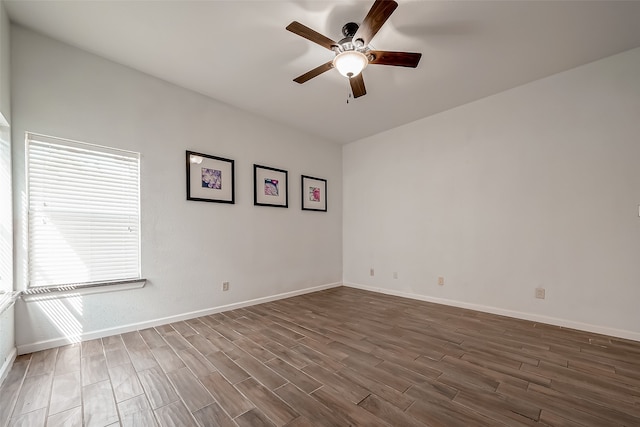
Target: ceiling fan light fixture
x: 350, y: 63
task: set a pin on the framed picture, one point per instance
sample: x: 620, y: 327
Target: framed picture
x: 270, y: 187
x: 210, y: 178
x: 314, y: 194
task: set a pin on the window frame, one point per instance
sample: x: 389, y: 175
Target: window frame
x: 34, y: 291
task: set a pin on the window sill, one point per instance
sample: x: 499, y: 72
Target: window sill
x: 66, y: 291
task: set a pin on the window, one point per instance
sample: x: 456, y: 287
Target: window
x: 84, y: 212
x: 6, y: 221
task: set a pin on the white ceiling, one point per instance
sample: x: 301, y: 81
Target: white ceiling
x: 239, y: 52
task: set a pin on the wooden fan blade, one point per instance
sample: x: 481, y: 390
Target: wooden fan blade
x: 314, y: 73
x: 357, y: 86
x: 400, y: 59
x: 311, y: 35
x: 377, y: 16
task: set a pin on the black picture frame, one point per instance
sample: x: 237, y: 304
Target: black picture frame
x: 270, y: 186
x: 210, y: 178
x: 314, y: 193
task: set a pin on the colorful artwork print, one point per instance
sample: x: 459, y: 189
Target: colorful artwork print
x: 314, y: 194
x: 211, y: 178
x: 270, y: 187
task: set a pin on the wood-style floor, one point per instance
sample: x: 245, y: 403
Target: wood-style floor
x: 341, y: 357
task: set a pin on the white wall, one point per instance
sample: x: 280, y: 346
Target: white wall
x: 7, y: 337
x: 7, y: 342
x: 536, y: 186
x: 188, y: 248
x: 5, y: 51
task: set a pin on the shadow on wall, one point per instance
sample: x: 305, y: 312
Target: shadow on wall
x: 65, y: 314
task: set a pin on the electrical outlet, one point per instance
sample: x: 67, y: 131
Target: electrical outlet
x: 225, y: 286
x: 441, y: 281
x: 395, y: 274
x: 540, y: 293
x: 371, y: 272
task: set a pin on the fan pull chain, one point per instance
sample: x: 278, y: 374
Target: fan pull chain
x: 348, y: 96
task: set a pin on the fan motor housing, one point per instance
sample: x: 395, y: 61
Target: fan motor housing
x: 349, y: 29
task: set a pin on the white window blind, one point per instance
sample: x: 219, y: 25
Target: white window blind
x: 84, y: 220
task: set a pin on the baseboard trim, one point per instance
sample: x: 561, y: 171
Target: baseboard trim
x: 565, y: 323
x: 8, y: 363
x: 57, y: 342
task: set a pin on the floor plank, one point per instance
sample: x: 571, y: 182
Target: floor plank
x: 260, y: 372
x: 254, y: 418
x: 355, y: 414
x: 347, y: 389
x: 268, y: 403
x: 142, y: 359
x: 196, y: 362
x: 232, y: 372
x: 157, y: 387
x: 136, y: 412
x: 117, y: 357
x: 294, y: 375
x: 112, y: 342
x: 202, y: 344
x: 193, y: 394
x: 152, y: 338
x: 226, y: 394
x: 92, y: 347
x: 174, y: 414
x: 68, y: 359
x: 30, y: 419
x: 68, y: 418
x: 213, y: 415
x: 99, y: 406
x: 66, y: 392
x: 125, y: 382
x: 309, y: 407
x: 11, y: 388
x: 34, y: 394
x: 387, y: 412
x: 42, y: 362
x: 167, y: 358
x: 94, y: 369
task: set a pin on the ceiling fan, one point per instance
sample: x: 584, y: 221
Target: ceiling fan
x: 353, y: 53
